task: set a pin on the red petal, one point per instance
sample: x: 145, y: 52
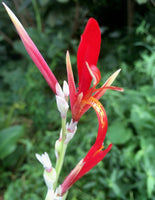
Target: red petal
x: 71, y: 178
x: 107, y: 85
x: 77, y: 107
x: 82, y: 168
x: 95, y: 154
x: 88, y: 51
x: 71, y: 82
x: 33, y: 51
x: 100, y: 92
x: 89, y: 164
x: 95, y: 74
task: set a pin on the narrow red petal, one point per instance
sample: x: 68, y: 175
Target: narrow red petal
x: 71, y: 178
x: 112, y: 78
x: 107, y: 85
x: 95, y: 74
x: 112, y: 88
x: 100, y: 92
x: 71, y: 82
x: 88, y: 51
x: 89, y: 164
x: 33, y: 51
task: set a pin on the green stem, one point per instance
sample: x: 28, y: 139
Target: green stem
x: 60, y: 159
x: 37, y: 15
x: 65, y: 195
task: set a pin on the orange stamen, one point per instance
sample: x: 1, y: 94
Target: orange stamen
x: 100, y: 149
x: 97, y: 107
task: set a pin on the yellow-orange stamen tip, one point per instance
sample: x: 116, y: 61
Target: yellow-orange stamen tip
x: 100, y: 149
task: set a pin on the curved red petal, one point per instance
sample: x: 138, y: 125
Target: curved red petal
x: 102, y: 119
x: 88, y: 51
x: 95, y: 154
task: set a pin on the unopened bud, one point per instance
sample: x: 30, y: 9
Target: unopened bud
x: 59, y: 91
x: 71, y: 130
x: 72, y: 127
x: 50, y: 178
x: 65, y: 89
x: 58, y: 148
x: 62, y: 106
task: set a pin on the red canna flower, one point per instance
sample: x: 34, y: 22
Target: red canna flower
x: 95, y: 154
x: 33, y: 51
x: 87, y: 57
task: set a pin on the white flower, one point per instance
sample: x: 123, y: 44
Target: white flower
x: 45, y: 161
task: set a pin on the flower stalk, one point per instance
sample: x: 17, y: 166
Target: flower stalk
x: 63, y: 147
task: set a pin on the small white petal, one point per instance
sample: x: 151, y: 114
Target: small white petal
x: 62, y: 106
x: 39, y: 157
x: 69, y: 136
x: 65, y: 89
x: 51, y: 195
x: 45, y: 161
x: 57, y: 194
x: 59, y: 91
x: 72, y: 127
x: 71, y: 130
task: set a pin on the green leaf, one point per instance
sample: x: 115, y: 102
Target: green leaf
x: 142, y: 118
x: 141, y: 1
x: 118, y: 133
x: 150, y: 185
x: 62, y: 1
x: 8, y: 139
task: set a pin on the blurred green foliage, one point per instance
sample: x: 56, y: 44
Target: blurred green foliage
x: 28, y: 115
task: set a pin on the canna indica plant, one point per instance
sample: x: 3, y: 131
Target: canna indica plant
x: 81, y: 99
